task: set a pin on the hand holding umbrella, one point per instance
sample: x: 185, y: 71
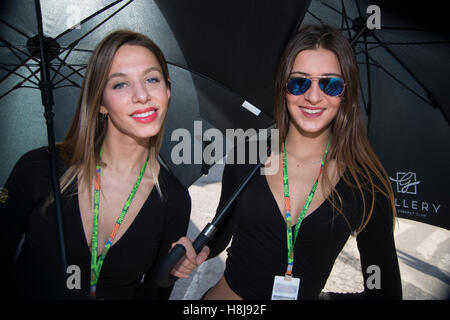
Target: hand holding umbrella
x: 166, y: 275
x: 192, y: 260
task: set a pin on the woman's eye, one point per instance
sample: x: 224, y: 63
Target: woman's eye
x: 119, y: 85
x: 153, y: 80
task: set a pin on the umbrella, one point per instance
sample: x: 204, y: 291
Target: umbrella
x: 217, y: 71
x: 219, y: 80
x: 404, y: 67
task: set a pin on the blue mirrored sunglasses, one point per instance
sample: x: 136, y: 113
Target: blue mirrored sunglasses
x: 332, y: 86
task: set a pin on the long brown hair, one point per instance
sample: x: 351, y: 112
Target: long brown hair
x: 86, y: 134
x: 350, y: 146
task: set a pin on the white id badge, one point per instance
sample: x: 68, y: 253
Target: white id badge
x: 284, y: 289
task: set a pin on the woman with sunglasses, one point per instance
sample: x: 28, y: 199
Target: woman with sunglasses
x: 289, y: 228
x: 121, y: 209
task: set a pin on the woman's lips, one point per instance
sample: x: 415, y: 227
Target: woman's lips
x: 311, y: 112
x: 145, y: 115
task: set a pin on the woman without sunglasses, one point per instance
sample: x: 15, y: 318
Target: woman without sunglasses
x: 288, y: 228
x: 121, y: 208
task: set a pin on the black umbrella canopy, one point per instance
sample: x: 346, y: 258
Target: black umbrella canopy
x: 20, y: 106
x: 238, y: 43
x: 404, y: 71
x: 222, y: 56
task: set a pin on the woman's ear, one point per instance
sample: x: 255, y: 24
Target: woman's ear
x: 168, y: 88
x: 103, y: 109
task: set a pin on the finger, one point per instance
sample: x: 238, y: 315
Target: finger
x: 183, y: 269
x: 180, y: 271
x: 190, y: 252
x: 179, y: 274
x: 203, y: 255
x: 186, y: 267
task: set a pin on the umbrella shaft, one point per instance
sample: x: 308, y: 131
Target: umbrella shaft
x: 47, y: 96
x: 47, y: 100
x: 222, y: 214
x: 45, y: 70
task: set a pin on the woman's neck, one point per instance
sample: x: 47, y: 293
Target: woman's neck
x: 124, y: 156
x: 307, y: 147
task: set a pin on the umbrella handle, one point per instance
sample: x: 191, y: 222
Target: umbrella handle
x: 163, y: 276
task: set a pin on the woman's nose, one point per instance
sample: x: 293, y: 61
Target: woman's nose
x: 141, y: 93
x: 314, y: 93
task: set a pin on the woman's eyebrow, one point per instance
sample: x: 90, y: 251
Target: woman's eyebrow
x: 324, y: 74
x: 152, y: 69
x: 332, y: 74
x: 121, y: 74
x: 117, y: 74
x: 301, y: 73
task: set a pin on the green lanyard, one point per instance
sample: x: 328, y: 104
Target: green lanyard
x: 287, y: 206
x: 96, y: 265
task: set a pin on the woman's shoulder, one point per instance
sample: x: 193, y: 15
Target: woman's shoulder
x: 36, y: 156
x: 31, y: 173
x: 365, y: 193
x: 37, y: 160
x: 32, y: 162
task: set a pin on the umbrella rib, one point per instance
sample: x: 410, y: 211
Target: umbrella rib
x: 10, y: 47
x: 83, y: 50
x: 17, y: 86
x: 66, y: 86
x: 214, y: 81
x: 66, y: 78
x: 405, y: 43
x: 14, y: 28
x: 97, y: 26
x: 358, y: 7
x: 91, y: 16
x: 70, y: 66
x: 407, y: 69
x: 377, y: 64
x: 9, y: 91
x: 334, y: 9
x: 22, y: 62
x: 362, y: 95
x: 13, y: 71
x: 343, y: 13
x: 29, y: 87
x: 63, y: 63
x: 18, y: 74
x: 314, y: 16
x: 346, y: 20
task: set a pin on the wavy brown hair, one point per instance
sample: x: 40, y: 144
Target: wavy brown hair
x: 87, y: 131
x: 350, y: 146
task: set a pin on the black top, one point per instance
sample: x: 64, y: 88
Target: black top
x: 127, y: 271
x: 259, y: 249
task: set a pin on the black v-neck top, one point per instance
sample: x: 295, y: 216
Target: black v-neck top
x: 127, y: 271
x: 258, y: 251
